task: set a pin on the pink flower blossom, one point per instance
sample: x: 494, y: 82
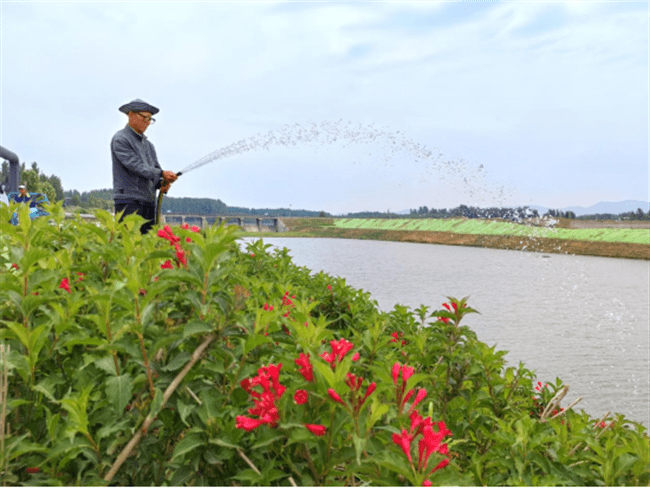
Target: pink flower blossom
x: 185, y: 226
x: 195, y: 229
x: 167, y: 265
x: 300, y: 397
x: 315, y: 429
x: 65, y: 284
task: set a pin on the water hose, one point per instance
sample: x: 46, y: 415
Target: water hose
x: 159, y: 203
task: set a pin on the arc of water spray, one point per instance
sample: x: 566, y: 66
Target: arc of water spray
x: 327, y: 133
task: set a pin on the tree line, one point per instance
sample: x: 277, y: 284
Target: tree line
x: 38, y: 182
x: 35, y: 181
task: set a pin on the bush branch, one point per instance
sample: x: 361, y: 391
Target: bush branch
x: 147, y: 421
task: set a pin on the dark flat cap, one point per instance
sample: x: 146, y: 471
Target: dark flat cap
x: 138, y: 105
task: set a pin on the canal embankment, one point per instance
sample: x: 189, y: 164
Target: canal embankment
x: 586, y: 238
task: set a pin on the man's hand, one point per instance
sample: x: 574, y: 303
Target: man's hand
x: 169, y: 176
x: 165, y: 186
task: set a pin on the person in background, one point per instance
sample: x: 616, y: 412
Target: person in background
x: 23, y: 196
x: 4, y: 199
x: 136, y: 171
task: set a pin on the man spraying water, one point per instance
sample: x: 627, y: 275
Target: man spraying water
x: 136, y: 171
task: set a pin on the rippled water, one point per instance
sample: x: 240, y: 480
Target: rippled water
x: 582, y: 319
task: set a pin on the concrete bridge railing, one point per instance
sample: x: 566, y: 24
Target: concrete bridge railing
x: 247, y: 222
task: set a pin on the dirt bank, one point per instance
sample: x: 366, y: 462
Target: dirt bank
x: 323, y: 227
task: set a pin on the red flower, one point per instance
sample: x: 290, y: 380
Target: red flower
x: 441, y: 464
x: 403, y: 440
x: 306, y: 368
x: 430, y: 443
x: 418, y: 398
x: 397, y: 336
x: 286, y: 300
x: 315, y: 429
x: 265, y: 408
x: 300, y: 397
x: 167, y: 265
x: 426, y: 483
x: 268, y: 307
x: 166, y: 233
x: 196, y: 229
x: 14, y: 266
x: 252, y: 254
x: 353, y: 382
x: 185, y: 226
x: 33, y: 470
x: 335, y: 396
x: 65, y: 284
x: 180, y: 256
x: 339, y: 349
x: 247, y: 423
x: 142, y: 292
x: 407, y: 372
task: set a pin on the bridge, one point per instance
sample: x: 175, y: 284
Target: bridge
x: 248, y: 223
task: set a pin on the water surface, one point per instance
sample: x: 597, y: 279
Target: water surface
x: 582, y: 319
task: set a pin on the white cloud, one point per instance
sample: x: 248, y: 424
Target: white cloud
x: 512, y: 86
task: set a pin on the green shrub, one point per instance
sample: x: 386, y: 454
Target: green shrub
x: 185, y: 357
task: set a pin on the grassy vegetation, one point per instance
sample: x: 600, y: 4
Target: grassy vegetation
x: 606, y: 242
x: 490, y: 227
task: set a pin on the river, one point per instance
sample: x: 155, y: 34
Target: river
x: 580, y: 318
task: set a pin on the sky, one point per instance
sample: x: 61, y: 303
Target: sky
x: 339, y: 106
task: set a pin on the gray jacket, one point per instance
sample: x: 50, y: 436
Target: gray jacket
x: 136, y: 172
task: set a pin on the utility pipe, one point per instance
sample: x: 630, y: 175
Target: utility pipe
x: 14, y: 168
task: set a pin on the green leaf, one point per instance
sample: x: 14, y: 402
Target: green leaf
x: 184, y: 411
x: 177, y: 362
x: 326, y: 371
x: 359, y: 446
x: 157, y: 403
x: 119, y: 390
x: 76, y: 407
x: 107, y: 364
x: 196, y: 327
x: 188, y: 444
x: 211, y: 406
x: 255, y: 340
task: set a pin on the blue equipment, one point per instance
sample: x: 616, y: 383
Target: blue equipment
x: 34, y: 200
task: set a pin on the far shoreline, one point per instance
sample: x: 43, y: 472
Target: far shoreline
x: 323, y: 227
